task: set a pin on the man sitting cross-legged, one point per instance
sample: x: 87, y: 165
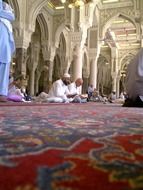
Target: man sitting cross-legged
x: 74, y: 91
x: 59, y: 90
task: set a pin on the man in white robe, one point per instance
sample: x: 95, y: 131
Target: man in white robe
x: 75, y: 91
x: 7, y: 47
x: 59, y: 90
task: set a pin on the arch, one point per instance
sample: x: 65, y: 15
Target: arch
x: 105, y: 56
x: 43, y: 27
x: 34, y: 11
x: 95, y: 17
x: 59, y: 30
x: 86, y: 63
x: 103, y: 75
x: 56, y: 68
x: 112, y: 18
x: 127, y: 56
x: 62, y: 29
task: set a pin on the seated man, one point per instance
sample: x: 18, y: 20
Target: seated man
x: 59, y: 90
x: 90, y: 91
x: 112, y: 97
x: 96, y: 96
x: 74, y: 91
x: 134, y: 81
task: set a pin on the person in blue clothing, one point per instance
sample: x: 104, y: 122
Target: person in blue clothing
x: 7, y: 47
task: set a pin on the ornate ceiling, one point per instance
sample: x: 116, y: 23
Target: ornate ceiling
x: 123, y: 31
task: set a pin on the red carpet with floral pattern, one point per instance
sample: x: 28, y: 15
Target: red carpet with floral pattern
x: 89, y: 146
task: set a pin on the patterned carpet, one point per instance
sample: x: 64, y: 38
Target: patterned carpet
x: 89, y: 146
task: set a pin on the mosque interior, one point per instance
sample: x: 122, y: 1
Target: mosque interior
x: 92, y: 39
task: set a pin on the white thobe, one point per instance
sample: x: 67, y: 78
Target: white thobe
x: 59, y: 90
x: 73, y: 89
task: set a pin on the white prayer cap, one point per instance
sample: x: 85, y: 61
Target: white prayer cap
x: 66, y: 75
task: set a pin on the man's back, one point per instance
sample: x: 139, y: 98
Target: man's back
x: 134, y: 78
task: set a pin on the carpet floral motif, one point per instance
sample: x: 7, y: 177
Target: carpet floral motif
x: 71, y: 147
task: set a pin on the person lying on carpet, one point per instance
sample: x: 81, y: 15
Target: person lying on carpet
x: 134, y: 81
x: 74, y: 91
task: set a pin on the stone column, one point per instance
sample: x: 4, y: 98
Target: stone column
x: 47, y: 64
x: 77, y: 62
x: 37, y: 81
x: 94, y: 54
x: 22, y: 39
x: 114, y: 82
x: 21, y: 55
x: 81, y: 21
x: 93, y: 72
x: 85, y: 84
x: 31, y: 79
x: 118, y: 87
x: 35, y: 49
x: 142, y: 34
x: 114, y: 68
x: 51, y: 56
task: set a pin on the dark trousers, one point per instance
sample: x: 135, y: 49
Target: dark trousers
x: 133, y: 103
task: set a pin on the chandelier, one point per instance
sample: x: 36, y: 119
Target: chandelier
x: 76, y: 3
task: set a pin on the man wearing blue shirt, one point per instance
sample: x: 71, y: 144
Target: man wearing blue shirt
x: 7, y: 47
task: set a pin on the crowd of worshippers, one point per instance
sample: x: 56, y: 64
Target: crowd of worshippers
x: 62, y: 91
x: 95, y: 96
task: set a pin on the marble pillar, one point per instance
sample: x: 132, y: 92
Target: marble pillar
x: 31, y: 78
x: 21, y: 55
x: 93, y: 72
x: 114, y: 82
x: 77, y: 63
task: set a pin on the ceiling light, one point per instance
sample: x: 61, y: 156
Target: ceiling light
x: 135, y: 44
x: 63, y: 1
x: 121, y: 35
x: 110, y: 1
x: 61, y: 7
x: 132, y: 34
x: 78, y: 3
